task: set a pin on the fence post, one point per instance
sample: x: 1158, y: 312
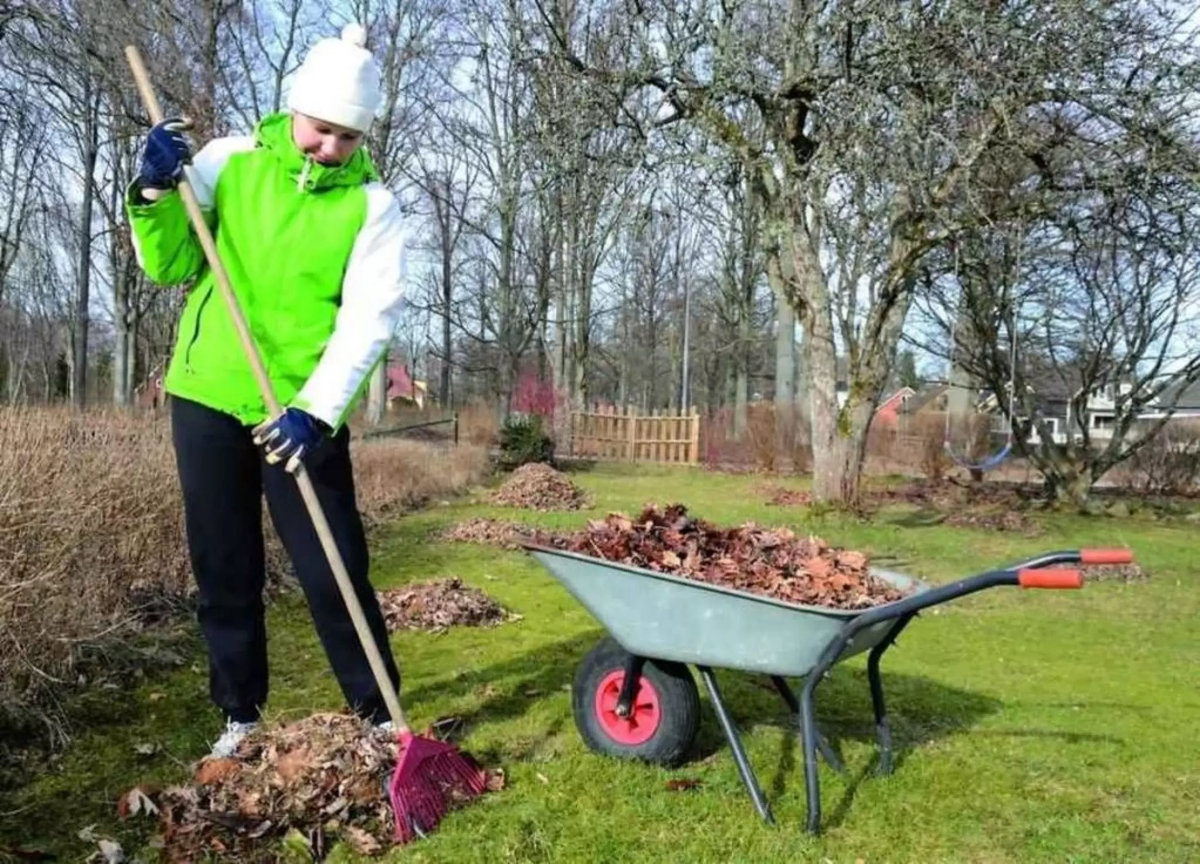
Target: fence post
x: 694, y: 435
x: 631, y: 433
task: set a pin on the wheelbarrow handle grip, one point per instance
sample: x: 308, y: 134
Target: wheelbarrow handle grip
x: 1105, y: 556
x: 1050, y: 579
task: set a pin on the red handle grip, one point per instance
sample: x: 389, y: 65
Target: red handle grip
x: 1106, y: 556
x: 1050, y: 578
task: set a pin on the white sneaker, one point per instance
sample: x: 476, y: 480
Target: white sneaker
x: 228, y: 743
x: 384, y: 728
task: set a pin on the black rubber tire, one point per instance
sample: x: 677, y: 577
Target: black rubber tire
x: 679, y: 706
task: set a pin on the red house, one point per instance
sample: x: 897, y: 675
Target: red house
x: 887, y: 415
x: 401, y: 386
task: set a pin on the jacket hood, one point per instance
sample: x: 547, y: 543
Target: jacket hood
x: 274, y: 133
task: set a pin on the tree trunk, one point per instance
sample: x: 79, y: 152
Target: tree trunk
x: 785, y: 384
x: 83, y: 292
x: 121, y: 389
x: 447, y: 301
x: 125, y: 338
x: 1070, y: 488
x: 741, y: 399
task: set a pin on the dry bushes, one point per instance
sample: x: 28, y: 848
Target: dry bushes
x: 1169, y: 463
x: 757, y: 448
x: 91, y: 533
x: 393, y: 475
x: 89, y: 517
x: 478, y: 424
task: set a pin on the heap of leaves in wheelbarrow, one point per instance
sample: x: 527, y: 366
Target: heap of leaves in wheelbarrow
x: 773, y: 562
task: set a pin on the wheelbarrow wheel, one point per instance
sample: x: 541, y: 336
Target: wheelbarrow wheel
x: 662, y: 721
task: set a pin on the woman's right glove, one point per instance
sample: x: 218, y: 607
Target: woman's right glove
x: 165, y: 154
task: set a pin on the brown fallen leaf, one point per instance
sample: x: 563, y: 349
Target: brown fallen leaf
x: 135, y: 802
x: 683, y: 785
x: 293, y: 764
x: 360, y: 841
x: 216, y: 771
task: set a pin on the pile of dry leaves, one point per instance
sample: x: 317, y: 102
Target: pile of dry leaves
x: 439, y: 604
x: 1112, y: 572
x: 490, y: 532
x: 772, y: 562
x: 781, y: 496
x: 320, y: 779
x: 538, y: 486
x: 1015, y: 521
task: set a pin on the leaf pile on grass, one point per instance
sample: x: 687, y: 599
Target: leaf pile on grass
x: 1014, y: 521
x: 950, y: 494
x: 439, y: 604
x: 323, y: 776
x: 538, y: 486
x: 1113, y: 572
x: 781, y: 496
x: 492, y: 532
x: 771, y: 562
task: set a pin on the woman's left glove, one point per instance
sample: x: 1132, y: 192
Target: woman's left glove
x: 165, y: 154
x: 290, y: 436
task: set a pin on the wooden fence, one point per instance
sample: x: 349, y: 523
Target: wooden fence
x: 612, y: 433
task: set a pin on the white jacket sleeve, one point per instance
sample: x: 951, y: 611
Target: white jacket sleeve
x: 372, y: 291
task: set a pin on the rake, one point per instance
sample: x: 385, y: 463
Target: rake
x: 429, y: 774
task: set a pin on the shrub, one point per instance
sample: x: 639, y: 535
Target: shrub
x: 477, y: 424
x: 1169, y: 463
x: 523, y: 439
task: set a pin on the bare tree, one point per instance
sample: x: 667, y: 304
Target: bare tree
x: 1103, y: 302
x: 880, y: 108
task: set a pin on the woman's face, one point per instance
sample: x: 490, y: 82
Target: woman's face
x: 327, y: 143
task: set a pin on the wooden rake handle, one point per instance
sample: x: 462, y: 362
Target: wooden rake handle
x: 264, y: 385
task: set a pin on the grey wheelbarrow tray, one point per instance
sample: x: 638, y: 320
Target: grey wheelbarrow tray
x: 658, y: 616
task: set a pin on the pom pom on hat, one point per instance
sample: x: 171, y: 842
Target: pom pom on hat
x: 355, y: 34
x: 338, y: 82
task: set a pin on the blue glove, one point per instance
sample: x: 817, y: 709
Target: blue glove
x: 290, y: 436
x: 165, y: 154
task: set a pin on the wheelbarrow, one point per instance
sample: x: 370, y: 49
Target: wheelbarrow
x: 633, y: 696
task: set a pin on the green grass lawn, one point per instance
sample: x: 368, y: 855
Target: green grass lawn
x: 1029, y: 725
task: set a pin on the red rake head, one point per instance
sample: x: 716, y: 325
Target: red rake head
x: 430, y: 777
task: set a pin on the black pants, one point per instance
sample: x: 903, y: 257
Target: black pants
x: 223, y: 476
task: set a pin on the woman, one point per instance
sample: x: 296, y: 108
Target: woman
x: 313, y: 245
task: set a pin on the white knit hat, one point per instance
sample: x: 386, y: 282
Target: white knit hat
x: 338, y: 82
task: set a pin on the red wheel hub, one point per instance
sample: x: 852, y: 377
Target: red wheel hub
x: 645, y: 711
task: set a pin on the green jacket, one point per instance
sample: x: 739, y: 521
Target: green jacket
x: 315, y: 256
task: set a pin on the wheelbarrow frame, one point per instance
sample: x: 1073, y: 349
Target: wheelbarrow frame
x: 845, y: 640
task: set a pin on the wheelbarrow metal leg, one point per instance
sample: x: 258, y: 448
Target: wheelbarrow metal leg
x: 629, y: 684
x: 822, y: 745
x: 883, y: 729
x: 808, y: 726
x: 735, y: 744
